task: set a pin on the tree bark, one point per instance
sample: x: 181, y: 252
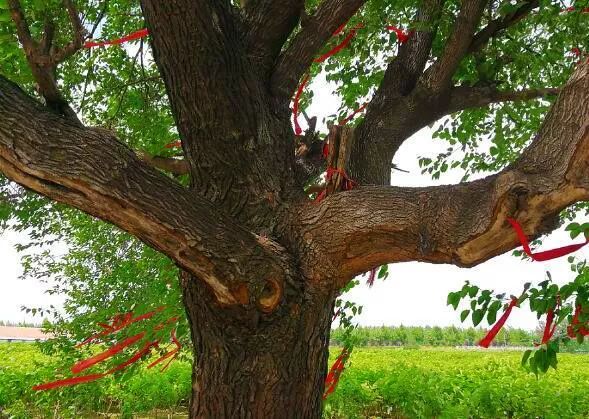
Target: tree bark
x: 252, y: 366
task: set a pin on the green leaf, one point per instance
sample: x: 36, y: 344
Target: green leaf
x: 453, y: 299
x: 464, y: 315
x: 526, y: 356
x: 492, y: 311
x: 477, y: 316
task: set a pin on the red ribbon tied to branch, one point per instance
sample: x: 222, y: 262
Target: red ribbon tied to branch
x: 547, y: 254
x: 549, y: 328
x: 352, y: 115
x: 402, y: 37
x: 142, y: 33
x: 488, y: 339
x: 119, y: 321
x: 335, y: 372
x: 295, y: 107
x: 342, y: 44
x: 575, y: 326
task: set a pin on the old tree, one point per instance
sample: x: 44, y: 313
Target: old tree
x: 260, y: 262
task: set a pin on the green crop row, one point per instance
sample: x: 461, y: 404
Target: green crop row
x: 378, y: 382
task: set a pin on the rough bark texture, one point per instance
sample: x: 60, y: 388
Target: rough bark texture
x: 250, y: 366
x: 261, y: 263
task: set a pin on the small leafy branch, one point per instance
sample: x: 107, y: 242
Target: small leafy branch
x: 559, y: 305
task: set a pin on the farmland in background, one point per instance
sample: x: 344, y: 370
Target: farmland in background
x: 422, y: 378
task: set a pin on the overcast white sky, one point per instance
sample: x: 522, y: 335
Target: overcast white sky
x: 414, y: 293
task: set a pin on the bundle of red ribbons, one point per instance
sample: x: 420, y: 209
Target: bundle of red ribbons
x: 119, y: 322
x: 539, y: 257
x: 335, y: 372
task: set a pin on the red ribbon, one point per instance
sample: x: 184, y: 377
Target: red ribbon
x: 402, y: 37
x: 119, y: 322
x: 575, y: 325
x: 110, y: 352
x: 547, y: 254
x: 488, y: 339
x: 131, y: 37
x: 337, y: 313
x: 341, y: 45
x: 549, y: 329
x: 352, y: 115
x: 572, y: 9
x: 295, y: 107
x: 138, y: 355
x: 173, y: 353
x: 371, y: 277
x: 174, y: 144
x: 335, y: 372
x: 68, y: 382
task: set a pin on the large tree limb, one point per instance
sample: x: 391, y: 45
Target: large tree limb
x: 167, y: 164
x: 231, y: 138
x: 316, y: 31
x: 465, y: 224
x: 496, y: 26
x: 404, y: 71
x: 91, y: 170
x: 270, y: 22
x: 439, y: 76
x: 462, y: 98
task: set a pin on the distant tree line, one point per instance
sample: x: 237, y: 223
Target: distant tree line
x: 409, y: 336
x: 18, y: 324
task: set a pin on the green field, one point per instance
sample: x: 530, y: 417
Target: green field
x: 380, y: 382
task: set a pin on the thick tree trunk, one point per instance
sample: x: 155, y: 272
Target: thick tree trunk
x: 249, y: 365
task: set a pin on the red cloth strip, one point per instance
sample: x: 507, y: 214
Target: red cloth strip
x: 340, y: 29
x: 339, y: 310
x: 110, y: 352
x: 138, y: 355
x: 547, y: 254
x: 175, y: 144
x: 339, y: 46
x: 169, y: 362
x: 295, y: 107
x: 169, y: 354
x: 352, y: 115
x: 120, y: 321
x: 402, y: 37
x: 488, y: 339
x: 548, y: 328
x: 572, y: 9
x: 131, y: 37
x: 69, y: 382
x: 162, y: 358
x: 371, y: 277
x: 575, y: 325
x: 348, y: 184
x: 335, y: 372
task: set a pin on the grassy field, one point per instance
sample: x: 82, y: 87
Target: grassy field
x: 380, y: 382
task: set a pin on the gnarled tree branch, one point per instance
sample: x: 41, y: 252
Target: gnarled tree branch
x: 91, y: 170
x: 316, y: 31
x: 42, y: 60
x: 270, y: 22
x: 466, y: 224
x: 167, y: 164
x: 439, y: 76
x: 475, y: 97
x: 494, y: 27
